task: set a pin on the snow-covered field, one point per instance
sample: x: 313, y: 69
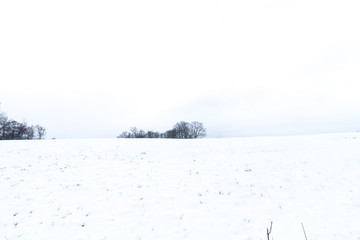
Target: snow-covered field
x: 181, y: 189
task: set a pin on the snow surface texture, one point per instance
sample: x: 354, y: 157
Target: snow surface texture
x: 181, y: 189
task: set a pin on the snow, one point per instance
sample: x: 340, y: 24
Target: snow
x: 181, y: 189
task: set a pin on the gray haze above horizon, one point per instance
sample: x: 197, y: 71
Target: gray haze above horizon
x: 242, y: 68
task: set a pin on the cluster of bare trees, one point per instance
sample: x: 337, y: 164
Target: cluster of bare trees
x: 183, y: 130
x: 13, y: 130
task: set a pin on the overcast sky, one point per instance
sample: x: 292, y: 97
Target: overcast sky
x: 243, y: 68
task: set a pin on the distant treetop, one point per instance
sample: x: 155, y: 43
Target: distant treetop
x: 181, y: 130
x: 13, y: 130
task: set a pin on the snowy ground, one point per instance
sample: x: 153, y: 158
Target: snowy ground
x: 181, y: 189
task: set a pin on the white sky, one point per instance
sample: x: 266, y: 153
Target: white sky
x: 243, y: 68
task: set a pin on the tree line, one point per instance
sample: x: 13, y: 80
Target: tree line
x: 13, y: 130
x: 181, y: 130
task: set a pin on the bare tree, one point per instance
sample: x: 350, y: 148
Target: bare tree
x: 197, y: 130
x: 13, y: 130
x: 40, y: 131
x: 8, y: 130
x: 30, y: 132
x: 156, y: 135
x: 182, y: 130
x: 142, y: 134
x: 169, y: 134
x: 152, y: 134
x: 134, y: 132
x: 125, y: 134
x: 21, y: 130
x: 4, y: 121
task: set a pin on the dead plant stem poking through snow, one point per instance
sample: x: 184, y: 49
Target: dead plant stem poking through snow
x: 268, y: 231
x: 304, y: 230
